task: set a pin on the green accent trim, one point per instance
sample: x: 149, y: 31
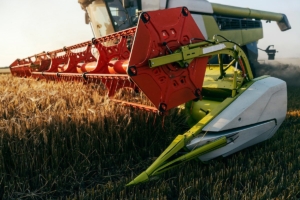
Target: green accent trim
x: 239, y: 36
x: 177, y: 144
x: 197, y: 128
x: 233, y: 11
x: 161, y: 164
x: 199, y: 109
x: 143, y: 177
x: 234, y: 84
x: 212, y: 78
x: 222, y: 73
x: 186, y: 53
x: 218, y: 143
x: 215, y: 81
x: 261, y: 77
x: 156, y: 62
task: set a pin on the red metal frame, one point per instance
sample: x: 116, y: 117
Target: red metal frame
x: 77, y: 63
x: 158, y: 33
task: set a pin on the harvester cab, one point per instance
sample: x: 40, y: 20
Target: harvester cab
x: 110, y: 16
x: 191, y: 53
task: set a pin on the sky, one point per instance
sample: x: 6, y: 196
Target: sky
x: 29, y: 27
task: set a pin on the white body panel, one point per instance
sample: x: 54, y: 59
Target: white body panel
x: 200, y: 23
x: 151, y: 5
x: 263, y: 100
x: 201, y: 6
x: 242, y: 138
x: 253, y: 117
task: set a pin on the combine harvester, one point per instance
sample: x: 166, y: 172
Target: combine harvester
x: 176, y: 52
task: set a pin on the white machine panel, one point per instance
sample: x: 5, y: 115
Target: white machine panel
x: 201, y: 6
x: 264, y: 100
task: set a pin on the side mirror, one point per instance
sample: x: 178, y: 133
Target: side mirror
x: 271, y: 52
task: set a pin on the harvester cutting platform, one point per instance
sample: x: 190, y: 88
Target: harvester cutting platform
x: 177, y: 52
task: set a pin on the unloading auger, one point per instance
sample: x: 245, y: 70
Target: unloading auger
x: 168, y: 58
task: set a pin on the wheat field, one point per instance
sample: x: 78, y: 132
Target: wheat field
x: 67, y: 141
